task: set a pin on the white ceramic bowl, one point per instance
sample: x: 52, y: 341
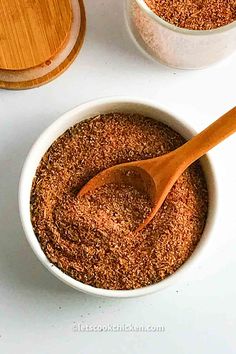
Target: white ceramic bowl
x: 106, y: 105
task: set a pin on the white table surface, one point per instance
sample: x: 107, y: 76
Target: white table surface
x: 37, y: 311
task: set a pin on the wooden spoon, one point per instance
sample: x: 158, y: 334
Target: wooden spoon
x: 157, y: 176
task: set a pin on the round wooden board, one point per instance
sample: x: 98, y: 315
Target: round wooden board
x: 56, y: 64
x: 32, y: 31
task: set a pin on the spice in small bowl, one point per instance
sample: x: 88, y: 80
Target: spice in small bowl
x: 89, y: 243
x: 184, y: 34
x: 92, y: 238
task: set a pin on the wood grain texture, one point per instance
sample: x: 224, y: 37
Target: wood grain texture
x: 26, y: 84
x: 32, y: 31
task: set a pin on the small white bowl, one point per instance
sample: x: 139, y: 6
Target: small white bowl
x: 84, y: 111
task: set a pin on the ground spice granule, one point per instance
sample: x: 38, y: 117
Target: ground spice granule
x: 91, y: 238
x: 195, y: 14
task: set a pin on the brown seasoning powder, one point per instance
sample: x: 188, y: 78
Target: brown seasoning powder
x: 91, y: 238
x: 195, y: 14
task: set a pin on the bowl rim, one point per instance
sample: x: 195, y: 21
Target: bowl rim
x: 24, y: 209
x: 186, y: 31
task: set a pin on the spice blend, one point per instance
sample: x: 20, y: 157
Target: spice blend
x: 91, y: 238
x: 195, y: 14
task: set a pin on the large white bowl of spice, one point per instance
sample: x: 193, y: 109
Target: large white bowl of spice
x: 74, y: 257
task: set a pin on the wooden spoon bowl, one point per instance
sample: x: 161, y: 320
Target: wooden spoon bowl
x: 157, y: 176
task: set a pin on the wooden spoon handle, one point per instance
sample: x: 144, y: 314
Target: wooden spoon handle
x: 198, y: 146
